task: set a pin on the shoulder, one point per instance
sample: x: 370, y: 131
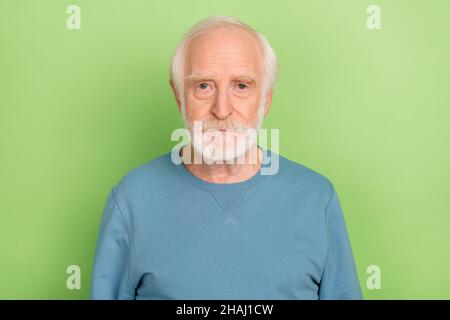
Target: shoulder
x: 309, y: 180
x: 151, y: 175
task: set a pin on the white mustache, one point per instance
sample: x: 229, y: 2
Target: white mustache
x: 219, y: 125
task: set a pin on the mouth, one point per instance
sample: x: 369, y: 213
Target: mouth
x: 216, y: 129
x: 223, y: 130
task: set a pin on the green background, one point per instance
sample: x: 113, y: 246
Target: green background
x: 369, y: 109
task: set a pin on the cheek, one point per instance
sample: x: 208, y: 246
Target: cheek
x: 248, y: 107
x: 249, y: 111
x: 197, y: 109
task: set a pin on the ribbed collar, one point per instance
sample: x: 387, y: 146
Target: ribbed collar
x: 222, y: 187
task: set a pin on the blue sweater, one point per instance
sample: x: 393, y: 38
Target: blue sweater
x: 167, y: 234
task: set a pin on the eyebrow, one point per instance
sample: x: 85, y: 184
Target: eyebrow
x: 204, y: 77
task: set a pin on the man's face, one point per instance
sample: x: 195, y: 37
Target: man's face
x: 223, y: 78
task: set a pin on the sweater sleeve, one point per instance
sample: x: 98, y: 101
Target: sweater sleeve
x: 339, y: 279
x: 111, y: 261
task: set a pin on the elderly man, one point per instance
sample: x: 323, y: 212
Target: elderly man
x: 197, y: 223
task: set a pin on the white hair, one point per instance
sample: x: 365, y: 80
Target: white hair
x: 270, y: 63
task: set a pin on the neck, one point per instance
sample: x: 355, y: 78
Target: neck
x: 236, y: 171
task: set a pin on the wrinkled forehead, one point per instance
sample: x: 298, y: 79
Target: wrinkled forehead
x: 224, y: 51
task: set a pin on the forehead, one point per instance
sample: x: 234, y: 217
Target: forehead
x: 222, y: 51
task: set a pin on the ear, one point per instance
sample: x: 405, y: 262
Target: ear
x: 268, y: 102
x: 175, y: 92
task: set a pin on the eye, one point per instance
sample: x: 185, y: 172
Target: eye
x: 242, y: 86
x: 203, y: 90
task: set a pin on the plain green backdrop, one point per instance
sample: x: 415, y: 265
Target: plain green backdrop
x: 369, y: 109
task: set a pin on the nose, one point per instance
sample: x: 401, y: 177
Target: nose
x: 222, y: 108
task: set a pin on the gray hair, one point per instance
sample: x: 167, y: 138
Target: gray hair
x: 270, y: 63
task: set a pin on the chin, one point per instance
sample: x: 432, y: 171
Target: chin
x: 211, y: 153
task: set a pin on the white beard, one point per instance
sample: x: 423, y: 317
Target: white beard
x: 224, y: 147
x: 222, y: 150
